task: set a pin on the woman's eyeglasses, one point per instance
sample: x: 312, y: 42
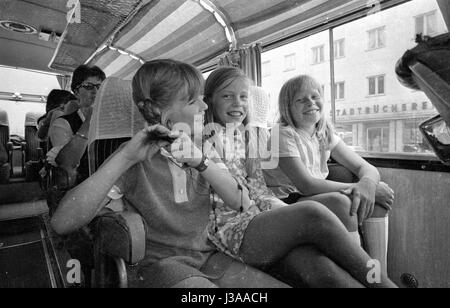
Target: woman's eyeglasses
x: 90, y: 86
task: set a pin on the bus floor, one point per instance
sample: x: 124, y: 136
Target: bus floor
x: 27, y: 258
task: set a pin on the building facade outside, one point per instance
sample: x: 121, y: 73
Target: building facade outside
x: 373, y: 111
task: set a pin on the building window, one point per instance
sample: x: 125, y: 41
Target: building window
x: 266, y: 69
x: 426, y: 24
x: 289, y: 63
x: 339, y: 88
x: 376, y: 85
x: 378, y: 139
x: 413, y: 140
x: 377, y: 38
x: 339, y: 49
x: 318, y: 54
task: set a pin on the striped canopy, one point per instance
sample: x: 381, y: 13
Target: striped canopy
x: 194, y: 31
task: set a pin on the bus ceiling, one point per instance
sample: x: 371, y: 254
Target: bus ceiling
x: 57, y: 36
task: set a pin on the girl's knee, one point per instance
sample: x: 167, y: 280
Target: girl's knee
x: 314, y: 212
x: 341, y: 206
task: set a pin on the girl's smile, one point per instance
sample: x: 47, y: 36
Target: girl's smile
x: 307, y: 109
x: 231, y: 103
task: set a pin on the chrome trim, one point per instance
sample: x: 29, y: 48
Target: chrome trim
x: 47, y: 259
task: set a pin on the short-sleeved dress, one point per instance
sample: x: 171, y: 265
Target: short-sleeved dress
x: 227, y: 226
x: 314, y: 153
x: 175, y: 204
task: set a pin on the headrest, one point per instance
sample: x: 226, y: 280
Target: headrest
x: 259, y: 107
x: 432, y: 52
x: 115, y: 115
x: 4, y: 118
x: 31, y: 118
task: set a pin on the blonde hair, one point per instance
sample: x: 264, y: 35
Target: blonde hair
x: 299, y: 84
x: 217, y: 81
x: 157, y: 83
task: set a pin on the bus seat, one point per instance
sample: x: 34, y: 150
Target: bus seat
x: 31, y: 152
x: 119, y: 236
x: 6, y: 167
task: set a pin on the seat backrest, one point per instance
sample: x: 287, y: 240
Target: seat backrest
x: 115, y: 120
x: 4, y: 128
x: 31, y: 138
x: 259, y: 110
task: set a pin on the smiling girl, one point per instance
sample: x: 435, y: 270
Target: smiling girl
x: 306, y: 239
x: 307, y: 141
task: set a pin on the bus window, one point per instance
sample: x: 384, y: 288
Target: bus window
x: 29, y: 85
x: 373, y: 111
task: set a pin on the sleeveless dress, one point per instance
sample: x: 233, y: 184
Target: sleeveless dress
x: 227, y: 226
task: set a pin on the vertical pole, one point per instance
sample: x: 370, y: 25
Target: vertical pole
x: 332, y: 76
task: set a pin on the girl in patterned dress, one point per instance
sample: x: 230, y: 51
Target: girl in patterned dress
x: 266, y: 232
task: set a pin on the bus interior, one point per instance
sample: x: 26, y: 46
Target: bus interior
x: 390, y: 106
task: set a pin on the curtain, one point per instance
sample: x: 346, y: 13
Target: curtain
x: 64, y: 82
x: 248, y: 59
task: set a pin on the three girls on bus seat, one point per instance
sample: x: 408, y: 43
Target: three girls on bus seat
x: 56, y: 100
x: 267, y: 231
x: 307, y: 140
x: 161, y: 184
x: 68, y: 133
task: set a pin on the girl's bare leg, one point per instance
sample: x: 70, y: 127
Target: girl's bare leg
x: 313, y: 269
x: 274, y: 234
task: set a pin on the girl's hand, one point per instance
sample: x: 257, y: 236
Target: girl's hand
x: 385, y: 196
x: 142, y: 146
x: 185, y: 151
x: 363, y: 199
x: 87, y: 112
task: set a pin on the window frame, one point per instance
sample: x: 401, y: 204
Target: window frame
x: 382, y: 128
x: 377, y: 31
x: 338, y: 92
x: 377, y: 85
x: 294, y: 66
x: 425, y: 24
x: 320, y: 54
x: 337, y: 54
